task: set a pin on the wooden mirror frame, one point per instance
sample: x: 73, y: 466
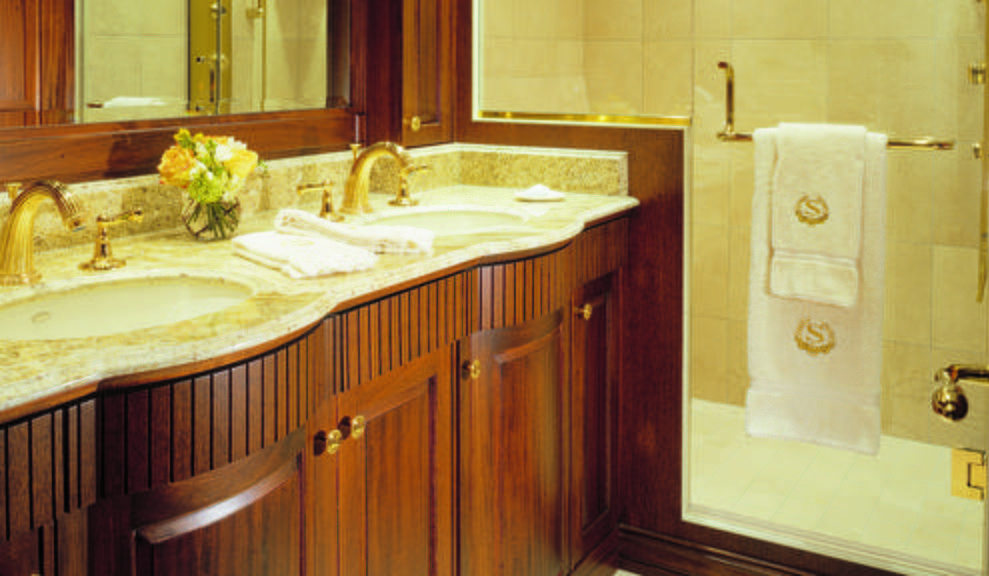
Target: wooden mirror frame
x: 85, y: 152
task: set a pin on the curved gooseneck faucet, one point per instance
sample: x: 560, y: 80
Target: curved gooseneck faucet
x: 17, y: 235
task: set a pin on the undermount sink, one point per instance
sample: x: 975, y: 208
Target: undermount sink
x: 107, y: 307
x: 452, y: 220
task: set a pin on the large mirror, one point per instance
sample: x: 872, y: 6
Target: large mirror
x: 174, y: 58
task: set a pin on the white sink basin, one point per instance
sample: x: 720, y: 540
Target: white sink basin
x: 452, y: 220
x: 113, y: 306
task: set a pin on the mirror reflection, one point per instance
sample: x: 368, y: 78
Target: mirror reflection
x: 206, y: 57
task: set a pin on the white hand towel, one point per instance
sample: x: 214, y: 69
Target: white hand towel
x: 815, y: 368
x: 817, y: 212
x: 380, y: 239
x: 300, y: 256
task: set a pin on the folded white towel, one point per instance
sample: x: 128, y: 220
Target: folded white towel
x: 815, y: 368
x: 302, y: 257
x: 817, y: 212
x: 380, y: 239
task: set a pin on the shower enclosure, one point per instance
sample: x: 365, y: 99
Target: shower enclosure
x: 907, y: 69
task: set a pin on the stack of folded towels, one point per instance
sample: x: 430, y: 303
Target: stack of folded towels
x: 306, y: 246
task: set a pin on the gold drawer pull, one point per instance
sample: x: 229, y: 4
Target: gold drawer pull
x: 327, y: 442
x: 471, y: 369
x: 584, y: 311
x: 415, y: 123
x: 357, y: 427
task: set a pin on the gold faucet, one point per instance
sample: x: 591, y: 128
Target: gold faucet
x: 355, y: 192
x: 17, y: 236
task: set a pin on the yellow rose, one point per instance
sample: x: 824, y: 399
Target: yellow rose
x: 241, y: 163
x: 176, y: 163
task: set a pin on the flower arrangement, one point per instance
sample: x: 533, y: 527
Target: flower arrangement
x: 211, y: 169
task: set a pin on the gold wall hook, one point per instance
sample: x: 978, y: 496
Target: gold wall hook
x: 102, y: 252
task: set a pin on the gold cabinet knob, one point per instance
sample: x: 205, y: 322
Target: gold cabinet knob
x: 415, y: 123
x: 357, y: 427
x: 584, y: 311
x: 471, y: 369
x: 327, y: 442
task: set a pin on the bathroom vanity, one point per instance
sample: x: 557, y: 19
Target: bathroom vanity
x: 443, y: 414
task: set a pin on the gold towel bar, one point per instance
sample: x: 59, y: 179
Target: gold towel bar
x: 728, y: 133
x: 920, y: 143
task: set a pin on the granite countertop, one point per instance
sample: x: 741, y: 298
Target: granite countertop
x: 36, y: 370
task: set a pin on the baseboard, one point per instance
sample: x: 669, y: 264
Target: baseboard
x: 656, y: 555
x: 603, y: 560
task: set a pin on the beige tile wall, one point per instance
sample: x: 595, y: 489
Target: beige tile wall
x: 896, y: 66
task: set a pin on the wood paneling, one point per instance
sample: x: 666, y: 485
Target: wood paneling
x: 48, y: 465
x: 183, y: 428
x: 383, y: 335
x: 520, y: 291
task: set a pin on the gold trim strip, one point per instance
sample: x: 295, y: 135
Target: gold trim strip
x: 682, y: 121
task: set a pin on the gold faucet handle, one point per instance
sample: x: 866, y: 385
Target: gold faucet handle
x: 404, y: 197
x: 102, y: 252
x: 326, y: 207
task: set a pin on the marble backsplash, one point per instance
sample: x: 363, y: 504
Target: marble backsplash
x: 581, y: 171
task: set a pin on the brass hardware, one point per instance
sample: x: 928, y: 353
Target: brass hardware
x: 327, y: 443
x: 584, y: 311
x: 210, y: 44
x: 471, y: 369
x: 259, y: 11
x: 586, y: 118
x: 13, y: 189
x: 102, y: 253
x: 728, y: 133
x: 968, y: 474
x: 415, y: 123
x: 812, y: 210
x: 326, y: 208
x: 355, y: 193
x: 948, y: 399
x: 355, y: 149
x: 977, y: 150
x: 358, y: 425
x: 814, y: 337
x: 977, y: 73
x: 404, y: 197
x: 17, y: 236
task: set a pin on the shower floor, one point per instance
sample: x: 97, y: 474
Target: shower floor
x: 895, y: 506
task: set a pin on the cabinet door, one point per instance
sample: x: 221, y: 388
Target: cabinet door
x: 322, y: 490
x: 246, y: 518
x: 512, y: 454
x: 594, y: 385
x: 396, y: 472
x: 427, y: 72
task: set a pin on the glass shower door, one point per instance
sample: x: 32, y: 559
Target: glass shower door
x: 906, y: 77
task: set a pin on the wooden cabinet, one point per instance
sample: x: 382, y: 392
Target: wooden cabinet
x: 427, y: 72
x: 594, y: 409
x: 466, y: 425
x: 410, y: 86
x: 37, y: 43
x: 512, y: 475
